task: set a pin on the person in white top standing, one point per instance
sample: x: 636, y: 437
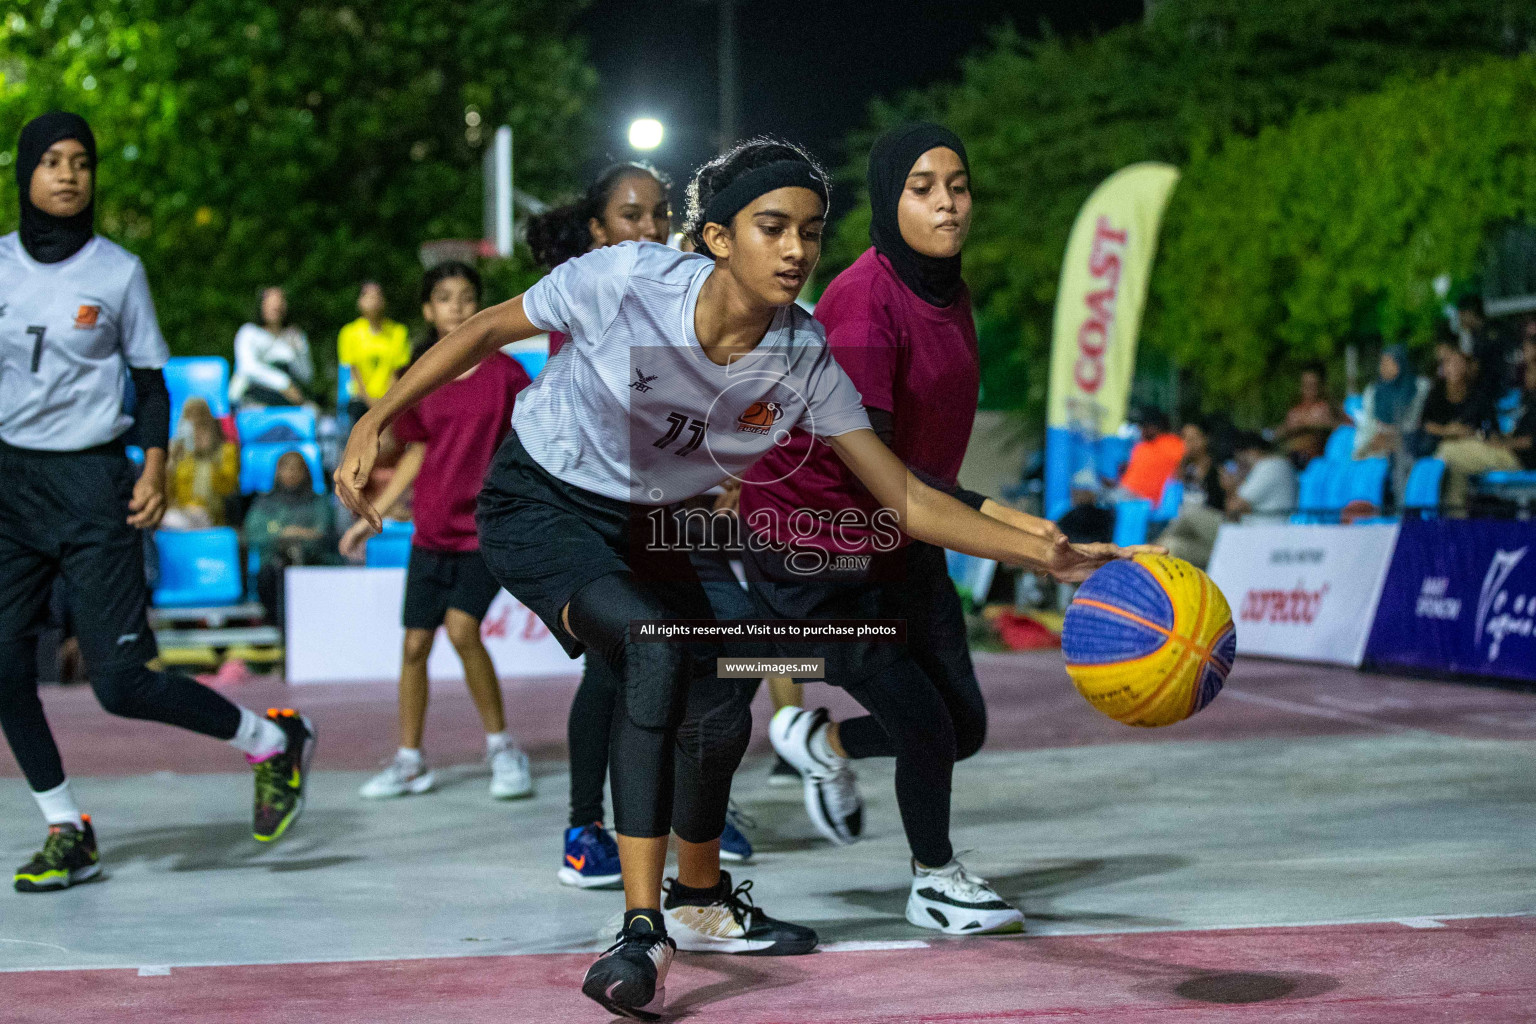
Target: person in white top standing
x: 272, y: 360
x: 681, y: 370
x: 76, y: 322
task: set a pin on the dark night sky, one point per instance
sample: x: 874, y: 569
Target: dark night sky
x: 806, y: 70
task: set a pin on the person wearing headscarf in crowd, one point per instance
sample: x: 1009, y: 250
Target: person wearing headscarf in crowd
x: 1389, y: 413
x: 289, y: 525
x: 205, y: 470
x: 899, y: 323
x: 78, y: 323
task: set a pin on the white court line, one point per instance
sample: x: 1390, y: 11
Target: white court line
x: 833, y: 947
x: 154, y: 972
x: 1420, y: 922
x: 1317, y: 712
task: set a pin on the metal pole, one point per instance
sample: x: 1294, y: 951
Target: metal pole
x: 727, y: 57
x: 503, y: 147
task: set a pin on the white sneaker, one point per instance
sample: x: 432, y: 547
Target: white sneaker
x: 831, y: 788
x: 952, y: 900
x: 510, y: 778
x: 402, y: 778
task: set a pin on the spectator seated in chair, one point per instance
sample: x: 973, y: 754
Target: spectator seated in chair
x: 204, y: 471
x: 1309, y: 422
x: 1390, y: 412
x: 1153, y: 461
x: 1263, y: 488
x: 1460, y: 414
x: 289, y: 525
x: 272, y: 360
x: 1192, y: 535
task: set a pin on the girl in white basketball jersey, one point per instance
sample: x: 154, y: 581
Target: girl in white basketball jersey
x: 75, y: 320
x: 681, y: 369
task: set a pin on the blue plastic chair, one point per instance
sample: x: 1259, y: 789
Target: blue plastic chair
x: 1168, y: 504
x: 205, y: 377
x: 1421, y: 494
x: 1113, y: 454
x: 1336, y: 489
x: 1133, y: 517
x: 1367, y: 480
x: 258, y: 465
x: 1354, y: 405
x: 275, y: 424
x: 1312, y: 492
x: 1341, y: 444
x: 198, y: 568
x: 388, y: 550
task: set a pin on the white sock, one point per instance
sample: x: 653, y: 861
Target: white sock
x: 58, y: 806
x: 496, y: 742
x: 821, y: 749
x: 258, y: 736
x: 409, y: 755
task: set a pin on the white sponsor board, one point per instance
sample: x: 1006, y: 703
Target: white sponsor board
x: 1307, y: 593
x: 343, y: 625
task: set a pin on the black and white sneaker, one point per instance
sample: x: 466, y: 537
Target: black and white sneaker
x: 630, y: 978
x: 831, y: 788
x: 725, y: 920
x: 952, y: 900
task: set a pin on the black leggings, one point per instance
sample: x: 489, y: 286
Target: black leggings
x: 593, y: 708
x: 131, y: 691
x: 671, y: 760
x: 925, y: 705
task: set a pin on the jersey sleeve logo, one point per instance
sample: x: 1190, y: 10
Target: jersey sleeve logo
x: 759, y: 417
x: 85, y: 317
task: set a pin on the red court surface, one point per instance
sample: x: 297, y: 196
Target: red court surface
x: 1030, y: 702
x: 1456, y: 971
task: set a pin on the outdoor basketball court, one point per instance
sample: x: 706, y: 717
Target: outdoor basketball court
x: 1316, y: 845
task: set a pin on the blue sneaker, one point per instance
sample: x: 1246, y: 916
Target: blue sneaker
x: 733, y: 844
x: 591, y: 858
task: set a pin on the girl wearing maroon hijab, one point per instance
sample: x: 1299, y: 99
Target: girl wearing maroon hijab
x: 899, y: 323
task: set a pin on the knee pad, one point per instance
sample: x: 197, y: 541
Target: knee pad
x: 654, y: 674
x: 718, y: 725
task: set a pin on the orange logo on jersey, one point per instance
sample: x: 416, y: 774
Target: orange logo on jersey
x: 759, y: 417
x: 85, y: 317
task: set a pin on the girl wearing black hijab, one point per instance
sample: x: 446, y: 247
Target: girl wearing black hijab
x: 76, y: 319
x: 899, y: 323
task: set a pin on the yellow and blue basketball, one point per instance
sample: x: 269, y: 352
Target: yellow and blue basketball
x: 1149, y: 641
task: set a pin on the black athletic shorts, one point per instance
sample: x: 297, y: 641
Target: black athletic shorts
x: 438, y: 580
x: 66, y: 514
x: 910, y: 584
x: 544, y: 540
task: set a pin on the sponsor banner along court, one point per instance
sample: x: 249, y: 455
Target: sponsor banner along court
x: 1307, y: 593
x: 1460, y: 597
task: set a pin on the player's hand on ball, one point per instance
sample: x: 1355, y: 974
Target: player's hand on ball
x: 351, y: 477
x: 1073, y: 563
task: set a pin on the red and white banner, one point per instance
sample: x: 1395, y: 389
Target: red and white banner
x: 1307, y: 593
x: 344, y: 626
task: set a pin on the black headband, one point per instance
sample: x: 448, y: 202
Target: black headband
x: 759, y: 181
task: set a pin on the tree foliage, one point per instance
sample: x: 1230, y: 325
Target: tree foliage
x: 1046, y: 121
x: 1284, y: 247
x: 252, y: 142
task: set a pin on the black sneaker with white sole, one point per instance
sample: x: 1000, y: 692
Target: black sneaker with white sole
x: 832, y: 796
x: 67, y: 858
x: 630, y: 978
x: 954, y: 901
x: 725, y: 920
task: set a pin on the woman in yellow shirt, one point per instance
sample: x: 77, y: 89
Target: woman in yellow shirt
x: 205, y: 469
x: 373, y: 348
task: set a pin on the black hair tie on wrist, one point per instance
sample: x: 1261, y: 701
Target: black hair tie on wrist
x: 759, y: 181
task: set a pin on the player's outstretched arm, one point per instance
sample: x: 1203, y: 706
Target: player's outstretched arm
x: 930, y: 515
x: 461, y: 350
